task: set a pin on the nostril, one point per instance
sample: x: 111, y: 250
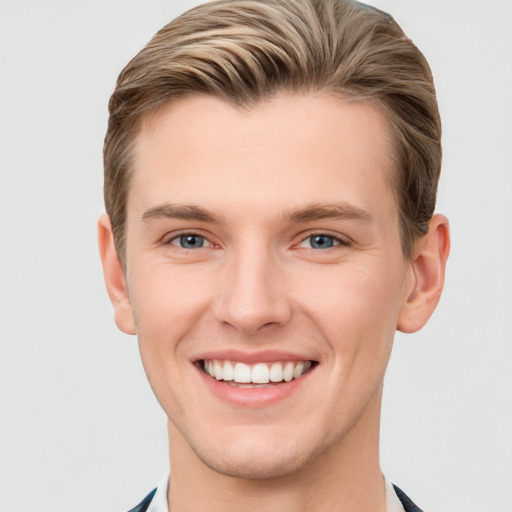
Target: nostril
x: 250, y: 302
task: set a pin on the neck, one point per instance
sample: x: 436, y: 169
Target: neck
x: 344, y: 478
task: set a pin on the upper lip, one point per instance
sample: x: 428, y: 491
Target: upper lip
x: 251, y: 357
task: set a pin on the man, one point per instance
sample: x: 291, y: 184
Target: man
x: 270, y: 179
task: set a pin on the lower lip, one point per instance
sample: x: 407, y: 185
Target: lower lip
x: 253, y: 397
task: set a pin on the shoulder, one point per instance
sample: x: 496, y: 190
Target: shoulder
x: 144, y: 504
x: 409, y: 506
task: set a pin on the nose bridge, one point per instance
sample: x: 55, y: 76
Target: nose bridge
x: 253, y: 295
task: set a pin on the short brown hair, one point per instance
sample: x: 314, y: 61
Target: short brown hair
x: 244, y: 51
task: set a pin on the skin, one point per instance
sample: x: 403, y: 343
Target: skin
x: 266, y: 180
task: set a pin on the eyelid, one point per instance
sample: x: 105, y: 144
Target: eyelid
x: 342, y: 240
x: 170, y: 237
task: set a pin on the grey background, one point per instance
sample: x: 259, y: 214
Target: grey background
x: 79, y: 427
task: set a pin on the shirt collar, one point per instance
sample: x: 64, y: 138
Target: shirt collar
x: 159, y: 501
x: 393, y: 504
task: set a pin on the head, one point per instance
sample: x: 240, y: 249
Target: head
x: 270, y: 179
x: 245, y: 52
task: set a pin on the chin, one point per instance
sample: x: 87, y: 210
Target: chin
x: 253, y: 467
x: 259, y: 458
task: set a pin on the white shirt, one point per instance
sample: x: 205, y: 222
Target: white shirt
x: 393, y: 504
x: 159, y: 501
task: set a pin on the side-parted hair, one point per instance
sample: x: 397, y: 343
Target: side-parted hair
x: 246, y: 51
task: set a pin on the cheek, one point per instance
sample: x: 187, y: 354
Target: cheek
x: 167, y: 306
x: 355, y: 307
x: 167, y: 303
x: 161, y: 292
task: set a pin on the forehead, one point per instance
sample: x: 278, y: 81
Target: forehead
x: 290, y: 149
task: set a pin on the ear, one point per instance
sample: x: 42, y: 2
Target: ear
x: 115, y: 280
x: 427, y: 276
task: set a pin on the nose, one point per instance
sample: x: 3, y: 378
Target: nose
x: 252, y: 294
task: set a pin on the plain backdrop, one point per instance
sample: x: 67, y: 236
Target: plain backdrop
x: 80, y: 430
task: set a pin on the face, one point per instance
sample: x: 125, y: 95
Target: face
x: 263, y: 248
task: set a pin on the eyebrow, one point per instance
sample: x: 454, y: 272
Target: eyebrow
x: 312, y: 212
x: 339, y: 211
x: 172, y: 211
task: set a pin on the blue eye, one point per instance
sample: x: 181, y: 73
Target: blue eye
x: 321, y: 241
x: 189, y: 241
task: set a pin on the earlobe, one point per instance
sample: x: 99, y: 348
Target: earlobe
x: 427, y: 276
x: 115, y: 280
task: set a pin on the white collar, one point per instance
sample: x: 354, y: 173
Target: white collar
x: 159, y: 501
x: 393, y: 504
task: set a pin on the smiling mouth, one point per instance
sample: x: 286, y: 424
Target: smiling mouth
x: 257, y: 375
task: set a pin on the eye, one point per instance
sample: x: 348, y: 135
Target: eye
x: 321, y: 241
x: 189, y: 241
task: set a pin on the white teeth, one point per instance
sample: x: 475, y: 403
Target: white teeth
x: 229, y: 371
x: 276, y: 372
x: 296, y: 373
x: 260, y: 373
x: 218, y: 370
x: 288, y: 372
x: 242, y: 373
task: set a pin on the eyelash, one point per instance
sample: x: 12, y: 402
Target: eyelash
x: 337, y: 240
x: 188, y: 234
